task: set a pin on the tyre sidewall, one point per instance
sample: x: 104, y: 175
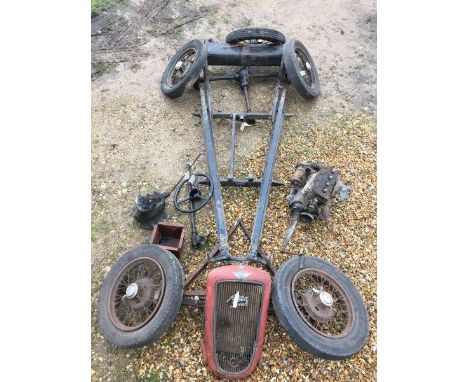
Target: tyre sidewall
x: 167, y: 310
x: 191, y: 77
x: 301, y: 333
x: 293, y: 70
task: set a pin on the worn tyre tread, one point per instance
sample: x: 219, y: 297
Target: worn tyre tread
x: 255, y: 33
x: 293, y: 70
x: 299, y: 331
x: 168, y: 309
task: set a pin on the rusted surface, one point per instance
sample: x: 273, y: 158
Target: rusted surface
x: 196, y: 298
x: 169, y: 236
x: 130, y: 313
x: 334, y: 318
x: 235, y: 322
x: 313, y: 188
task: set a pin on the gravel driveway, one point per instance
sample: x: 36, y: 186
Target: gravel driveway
x: 141, y: 139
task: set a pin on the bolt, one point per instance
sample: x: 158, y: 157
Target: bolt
x: 325, y: 189
x: 327, y: 184
x: 330, y: 176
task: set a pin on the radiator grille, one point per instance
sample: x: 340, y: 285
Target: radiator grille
x: 236, y: 328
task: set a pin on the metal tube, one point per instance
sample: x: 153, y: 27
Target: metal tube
x: 189, y: 188
x: 246, y: 96
x: 291, y: 229
x: 192, y: 214
x: 268, y: 173
x: 233, y: 147
x: 213, y: 166
x: 239, y: 115
x: 244, y: 55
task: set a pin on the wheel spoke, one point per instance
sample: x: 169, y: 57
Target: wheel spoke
x: 329, y: 320
x: 131, y: 313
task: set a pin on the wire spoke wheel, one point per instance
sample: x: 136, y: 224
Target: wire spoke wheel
x: 305, y: 67
x: 322, y: 303
x: 183, y: 69
x: 320, y: 308
x: 301, y: 69
x: 136, y: 294
x: 180, y: 69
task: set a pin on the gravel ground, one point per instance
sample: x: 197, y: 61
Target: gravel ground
x: 141, y: 139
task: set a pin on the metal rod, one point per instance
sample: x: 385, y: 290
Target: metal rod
x: 246, y: 182
x: 222, y: 77
x: 233, y: 147
x: 291, y: 229
x: 213, y: 166
x: 243, y: 55
x: 268, y: 171
x: 244, y: 84
x: 189, y: 188
x: 235, y: 76
x: 182, y: 177
x: 246, y: 96
x: 276, y: 96
x: 250, y: 115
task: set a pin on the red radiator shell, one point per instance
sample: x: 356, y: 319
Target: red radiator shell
x: 229, y: 273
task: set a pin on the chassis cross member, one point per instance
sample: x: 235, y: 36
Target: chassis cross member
x: 315, y: 303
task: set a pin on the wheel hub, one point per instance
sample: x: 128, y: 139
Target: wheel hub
x: 318, y: 304
x: 144, y: 295
x: 131, y: 290
x: 326, y: 298
x: 136, y: 294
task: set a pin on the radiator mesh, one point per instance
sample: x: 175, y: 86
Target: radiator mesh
x: 236, y: 328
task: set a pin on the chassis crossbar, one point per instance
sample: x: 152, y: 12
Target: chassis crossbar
x: 207, y: 115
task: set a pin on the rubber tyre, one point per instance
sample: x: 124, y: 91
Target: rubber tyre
x: 270, y: 35
x: 175, y: 91
x: 294, y: 71
x: 309, y: 340
x: 168, y: 310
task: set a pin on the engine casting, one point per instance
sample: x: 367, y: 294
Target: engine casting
x: 313, y: 187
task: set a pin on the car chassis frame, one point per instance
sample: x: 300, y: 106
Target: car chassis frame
x: 244, y: 56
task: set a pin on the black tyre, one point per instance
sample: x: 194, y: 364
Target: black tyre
x: 249, y: 34
x: 184, y: 69
x: 320, y: 308
x: 140, y: 296
x: 301, y: 69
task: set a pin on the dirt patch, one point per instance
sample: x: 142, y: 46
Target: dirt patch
x: 123, y: 32
x: 140, y: 140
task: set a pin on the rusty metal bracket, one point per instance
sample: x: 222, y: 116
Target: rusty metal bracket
x: 194, y: 297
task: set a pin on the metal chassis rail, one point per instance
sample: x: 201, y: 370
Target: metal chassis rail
x: 277, y: 116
